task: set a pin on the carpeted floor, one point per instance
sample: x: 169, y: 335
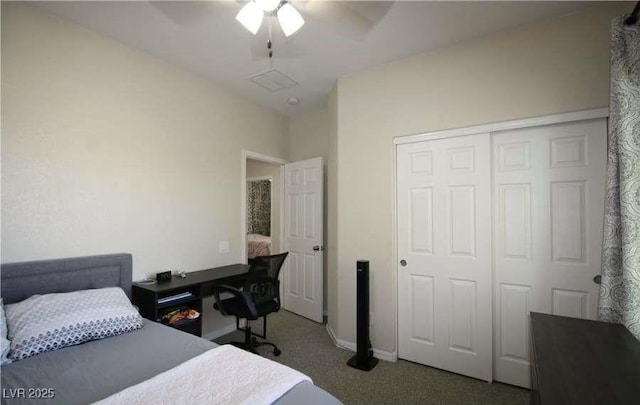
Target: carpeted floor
x: 307, y: 347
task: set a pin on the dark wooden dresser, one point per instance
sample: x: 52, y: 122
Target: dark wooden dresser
x: 575, y: 361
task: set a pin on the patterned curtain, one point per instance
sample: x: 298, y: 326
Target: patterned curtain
x: 620, y: 288
x: 259, y: 207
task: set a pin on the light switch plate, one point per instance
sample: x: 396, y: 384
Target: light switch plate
x: 223, y: 246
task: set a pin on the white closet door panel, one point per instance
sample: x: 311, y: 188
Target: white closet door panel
x: 548, y: 196
x: 444, y: 230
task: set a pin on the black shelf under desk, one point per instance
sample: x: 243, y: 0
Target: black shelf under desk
x: 198, y: 283
x: 178, y: 302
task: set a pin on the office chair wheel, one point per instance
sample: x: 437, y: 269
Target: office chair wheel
x: 276, y: 352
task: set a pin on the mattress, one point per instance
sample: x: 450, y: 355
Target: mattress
x: 94, y: 370
x: 258, y: 245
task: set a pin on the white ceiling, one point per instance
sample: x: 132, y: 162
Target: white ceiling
x: 205, y: 38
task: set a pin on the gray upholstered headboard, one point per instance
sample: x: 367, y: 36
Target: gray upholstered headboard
x: 22, y: 280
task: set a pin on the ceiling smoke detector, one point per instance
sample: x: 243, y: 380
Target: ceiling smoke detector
x: 293, y: 100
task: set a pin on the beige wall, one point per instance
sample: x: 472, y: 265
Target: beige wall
x: 257, y: 168
x: 555, y: 66
x: 106, y: 149
x: 333, y: 274
x: 309, y: 138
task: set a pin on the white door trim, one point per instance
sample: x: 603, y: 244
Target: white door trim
x: 505, y: 125
x: 394, y: 252
x: 260, y: 178
x: 244, y: 155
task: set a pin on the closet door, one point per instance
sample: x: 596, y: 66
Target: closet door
x: 444, y: 253
x: 548, y: 190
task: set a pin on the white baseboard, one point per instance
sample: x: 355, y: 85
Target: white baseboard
x: 220, y: 332
x: 345, y: 344
x: 331, y: 334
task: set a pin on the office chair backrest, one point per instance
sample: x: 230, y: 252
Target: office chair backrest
x: 266, y: 266
x: 269, y: 265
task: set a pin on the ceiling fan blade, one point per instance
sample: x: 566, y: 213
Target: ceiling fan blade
x: 192, y: 12
x: 347, y: 18
x: 373, y: 11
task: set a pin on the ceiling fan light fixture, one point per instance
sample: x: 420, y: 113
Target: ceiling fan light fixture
x: 290, y: 19
x: 268, y: 5
x: 251, y: 17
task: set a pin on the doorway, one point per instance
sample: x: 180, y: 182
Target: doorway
x: 296, y: 204
x: 262, y: 217
x: 263, y: 209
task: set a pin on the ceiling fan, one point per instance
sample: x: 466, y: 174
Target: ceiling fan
x: 348, y: 19
x: 251, y: 15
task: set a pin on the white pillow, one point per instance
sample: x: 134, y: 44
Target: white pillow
x: 5, y: 344
x: 48, y: 322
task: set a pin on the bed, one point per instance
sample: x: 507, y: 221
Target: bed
x: 95, y: 370
x: 258, y: 245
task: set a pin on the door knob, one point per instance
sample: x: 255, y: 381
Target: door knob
x: 597, y: 279
x: 403, y: 263
x: 317, y: 247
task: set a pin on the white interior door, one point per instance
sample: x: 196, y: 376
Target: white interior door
x: 303, y: 238
x: 549, y: 185
x: 444, y: 235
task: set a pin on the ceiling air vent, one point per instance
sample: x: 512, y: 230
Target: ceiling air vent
x: 273, y: 80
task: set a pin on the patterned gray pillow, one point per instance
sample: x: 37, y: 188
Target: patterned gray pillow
x: 5, y: 345
x: 48, y: 322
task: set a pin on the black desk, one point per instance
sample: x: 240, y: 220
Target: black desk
x: 198, y: 283
x: 581, y: 362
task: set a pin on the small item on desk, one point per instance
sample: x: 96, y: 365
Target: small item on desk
x: 180, y: 314
x: 182, y: 274
x: 146, y: 281
x: 163, y: 276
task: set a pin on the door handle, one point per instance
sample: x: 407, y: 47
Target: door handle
x: 317, y: 247
x: 597, y: 279
x: 403, y: 263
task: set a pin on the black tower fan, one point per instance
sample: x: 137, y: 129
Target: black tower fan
x: 363, y: 360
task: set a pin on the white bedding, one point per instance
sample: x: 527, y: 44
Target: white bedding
x: 224, y: 375
x: 258, y: 245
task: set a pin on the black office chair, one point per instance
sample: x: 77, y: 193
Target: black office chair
x: 259, y: 297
